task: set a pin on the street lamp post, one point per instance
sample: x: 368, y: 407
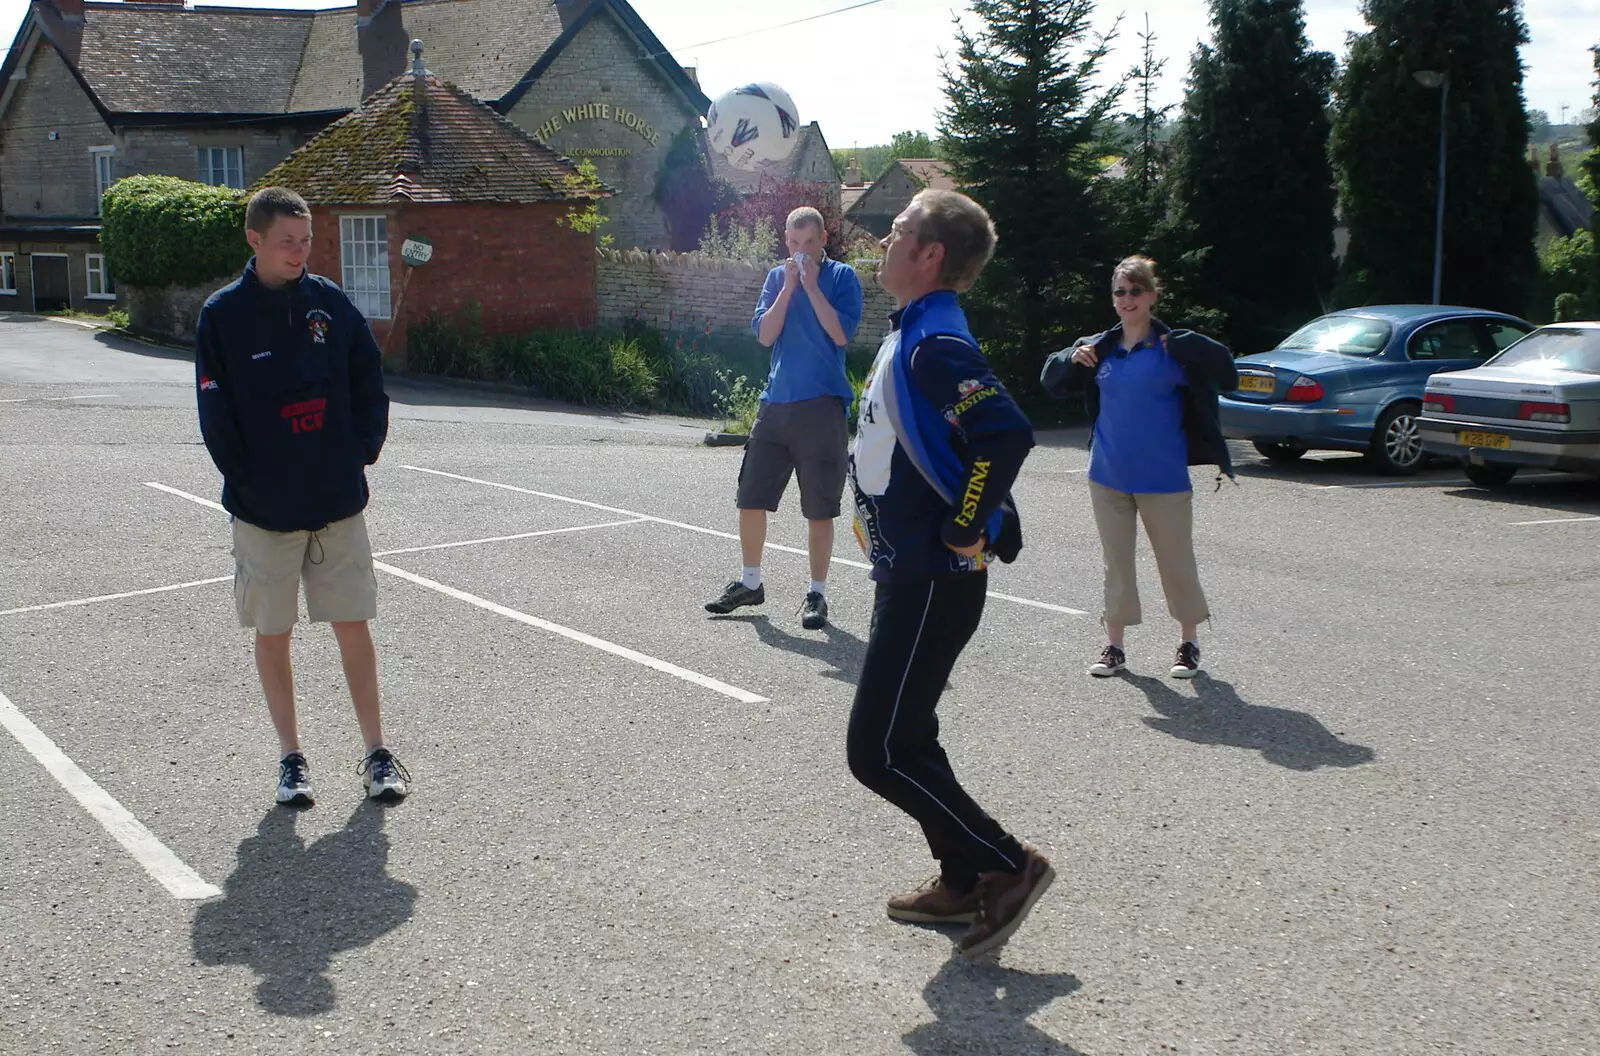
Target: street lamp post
x: 1440, y: 80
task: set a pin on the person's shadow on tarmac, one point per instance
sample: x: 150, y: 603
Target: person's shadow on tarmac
x: 981, y: 1007
x: 1216, y: 715
x: 289, y: 907
x: 837, y: 647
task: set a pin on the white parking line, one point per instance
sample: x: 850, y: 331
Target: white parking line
x: 742, y: 695
x: 114, y: 597
x: 58, y: 399
x: 98, y: 598
x: 185, y: 495
x: 504, y: 538
x: 1556, y: 520
x: 705, y: 531
x: 1454, y: 482
x: 156, y: 858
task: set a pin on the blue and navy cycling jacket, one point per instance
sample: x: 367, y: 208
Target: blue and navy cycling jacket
x: 292, y: 407
x: 939, y: 442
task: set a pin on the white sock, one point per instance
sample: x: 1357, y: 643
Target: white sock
x: 819, y: 586
x: 751, y: 578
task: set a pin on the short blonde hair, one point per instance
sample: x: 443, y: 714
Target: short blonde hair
x: 1139, y: 269
x: 804, y: 216
x: 965, y: 230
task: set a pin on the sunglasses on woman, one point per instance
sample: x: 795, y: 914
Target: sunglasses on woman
x: 1131, y: 291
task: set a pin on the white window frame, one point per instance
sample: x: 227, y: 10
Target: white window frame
x: 94, y: 266
x: 105, y: 175
x: 364, y: 264
x: 206, y: 166
x: 8, y: 263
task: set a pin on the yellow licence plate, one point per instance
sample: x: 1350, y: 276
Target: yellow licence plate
x: 1252, y: 383
x: 1495, y: 440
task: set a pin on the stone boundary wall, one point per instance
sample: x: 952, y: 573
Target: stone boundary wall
x: 169, y: 311
x: 679, y: 291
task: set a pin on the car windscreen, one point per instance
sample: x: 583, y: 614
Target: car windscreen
x: 1555, y: 348
x: 1347, y: 335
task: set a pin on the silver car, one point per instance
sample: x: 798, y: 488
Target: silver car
x: 1537, y: 403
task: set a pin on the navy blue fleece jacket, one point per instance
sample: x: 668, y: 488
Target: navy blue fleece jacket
x: 292, y: 408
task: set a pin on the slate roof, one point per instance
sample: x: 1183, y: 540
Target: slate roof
x: 436, y: 144
x: 485, y: 46
x: 1568, y: 207
x: 146, y: 58
x: 237, y: 61
x: 931, y: 172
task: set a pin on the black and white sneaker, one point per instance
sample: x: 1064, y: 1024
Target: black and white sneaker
x: 737, y: 596
x: 814, y: 611
x: 1187, y: 662
x: 294, y: 781
x: 1112, y: 660
x: 383, y: 775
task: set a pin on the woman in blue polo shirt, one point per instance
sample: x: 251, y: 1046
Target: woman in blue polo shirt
x: 1152, y: 394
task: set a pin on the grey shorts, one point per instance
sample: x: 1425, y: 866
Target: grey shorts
x: 335, y: 563
x: 810, y: 439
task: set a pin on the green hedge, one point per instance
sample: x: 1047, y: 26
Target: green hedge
x: 160, y: 230
x: 690, y: 371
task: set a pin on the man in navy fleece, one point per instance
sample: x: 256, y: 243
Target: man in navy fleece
x: 292, y: 410
x: 939, y: 442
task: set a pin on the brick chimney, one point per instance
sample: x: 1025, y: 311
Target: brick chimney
x: 569, y: 10
x: 382, y: 39
x: 1555, y: 170
x: 852, y: 174
x: 71, y: 11
x: 367, y: 10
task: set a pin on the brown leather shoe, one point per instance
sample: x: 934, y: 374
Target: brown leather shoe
x: 935, y: 903
x: 1004, y: 902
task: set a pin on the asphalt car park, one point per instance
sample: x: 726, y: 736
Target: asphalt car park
x: 1368, y: 827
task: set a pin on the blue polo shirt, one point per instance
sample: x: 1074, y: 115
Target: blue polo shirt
x: 1139, y: 445
x: 805, y: 361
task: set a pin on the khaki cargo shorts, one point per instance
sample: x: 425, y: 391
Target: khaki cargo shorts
x: 335, y: 562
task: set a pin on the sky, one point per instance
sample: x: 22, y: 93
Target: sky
x: 867, y: 73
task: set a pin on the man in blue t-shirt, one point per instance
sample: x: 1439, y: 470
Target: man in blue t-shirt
x: 809, y: 309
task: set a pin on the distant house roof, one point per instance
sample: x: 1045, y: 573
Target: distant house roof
x: 931, y: 172
x: 850, y: 195
x: 421, y: 140
x: 1568, y: 208
x: 167, y: 59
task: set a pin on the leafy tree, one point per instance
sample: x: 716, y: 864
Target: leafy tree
x: 1539, y: 128
x: 774, y: 202
x: 1386, y: 142
x: 1252, y: 186
x: 912, y: 145
x: 688, y: 194
x: 872, y: 160
x: 1023, y: 127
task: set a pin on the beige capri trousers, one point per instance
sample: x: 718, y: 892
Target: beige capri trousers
x: 1169, y: 523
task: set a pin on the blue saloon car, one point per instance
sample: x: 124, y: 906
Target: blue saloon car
x: 1353, y: 380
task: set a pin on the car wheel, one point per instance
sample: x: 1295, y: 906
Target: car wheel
x: 1397, y: 441
x: 1492, y: 475
x: 1280, y: 452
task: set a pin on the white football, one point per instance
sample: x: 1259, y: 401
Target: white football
x: 753, y: 126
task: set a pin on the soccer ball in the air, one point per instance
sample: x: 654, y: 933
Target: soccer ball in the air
x: 753, y: 126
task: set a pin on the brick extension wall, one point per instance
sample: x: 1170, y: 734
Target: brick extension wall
x: 524, y: 270
x: 687, y: 289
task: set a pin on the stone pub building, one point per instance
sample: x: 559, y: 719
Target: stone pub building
x: 92, y: 92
